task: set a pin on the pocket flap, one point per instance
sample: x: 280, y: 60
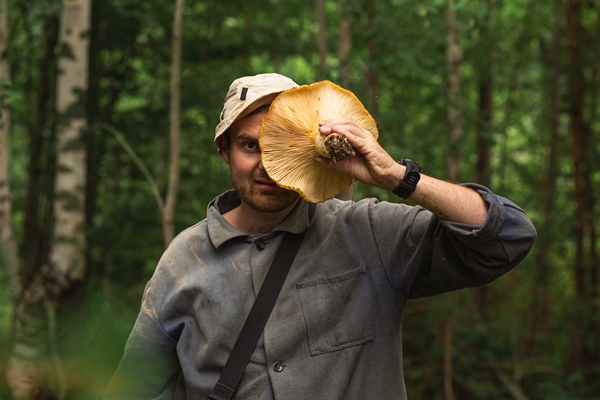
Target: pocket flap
x: 338, y: 311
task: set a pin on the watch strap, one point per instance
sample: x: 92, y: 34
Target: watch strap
x: 408, y: 184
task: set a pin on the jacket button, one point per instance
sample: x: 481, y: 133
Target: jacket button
x: 278, y: 366
x: 261, y: 244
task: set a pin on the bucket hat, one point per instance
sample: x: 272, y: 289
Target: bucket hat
x: 248, y: 93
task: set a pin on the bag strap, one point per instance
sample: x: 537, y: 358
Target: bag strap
x: 259, y: 314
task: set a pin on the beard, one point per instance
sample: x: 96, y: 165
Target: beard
x: 271, y: 201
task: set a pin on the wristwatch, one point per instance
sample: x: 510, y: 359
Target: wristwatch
x: 408, y: 184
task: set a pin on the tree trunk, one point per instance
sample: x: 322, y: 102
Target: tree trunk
x: 322, y: 37
x: 372, y: 74
x: 37, y: 222
x: 543, y: 264
x: 586, y: 353
x: 35, y: 312
x: 67, y: 254
x: 29, y: 320
x: 174, y: 126
x: 483, y: 140
x: 454, y: 108
x: 453, y: 159
x: 95, y: 142
x: 344, y: 44
x: 7, y: 241
x: 486, y: 91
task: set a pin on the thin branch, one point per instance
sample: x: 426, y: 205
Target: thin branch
x: 174, y: 125
x: 138, y: 161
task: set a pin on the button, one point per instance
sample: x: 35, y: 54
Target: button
x: 261, y: 244
x: 278, y: 366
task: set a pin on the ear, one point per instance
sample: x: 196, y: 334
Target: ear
x: 223, y: 144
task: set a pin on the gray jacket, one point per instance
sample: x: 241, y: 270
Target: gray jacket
x: 335, y: 331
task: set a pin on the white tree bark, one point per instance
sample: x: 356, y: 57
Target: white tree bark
x: 35, y: 310
x: 67, y: 252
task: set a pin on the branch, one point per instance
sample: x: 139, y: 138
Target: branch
x: 121, y: 139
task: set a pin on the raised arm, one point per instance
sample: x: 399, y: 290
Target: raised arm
x: 373, y: 166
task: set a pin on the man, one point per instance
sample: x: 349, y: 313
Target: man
x: 335, y: 331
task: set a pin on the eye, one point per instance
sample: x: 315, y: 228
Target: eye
x: 250, y: 145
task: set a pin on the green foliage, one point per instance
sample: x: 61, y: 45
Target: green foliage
x: 91, y: 335
x: 6, y: 296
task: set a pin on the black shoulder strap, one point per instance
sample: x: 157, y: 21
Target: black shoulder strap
x: 259, y: 314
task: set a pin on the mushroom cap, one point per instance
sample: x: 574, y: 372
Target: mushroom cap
x: 288, y: 132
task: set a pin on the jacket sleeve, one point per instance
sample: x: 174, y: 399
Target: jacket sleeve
x: 149, y: 367
x: 424, y: 255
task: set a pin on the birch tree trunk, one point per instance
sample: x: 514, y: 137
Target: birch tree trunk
x: 67, y: 252
x: 34, y: 350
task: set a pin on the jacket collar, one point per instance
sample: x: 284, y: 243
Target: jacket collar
x: 220, y: 231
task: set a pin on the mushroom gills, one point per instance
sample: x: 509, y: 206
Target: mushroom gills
x: 334, y: 146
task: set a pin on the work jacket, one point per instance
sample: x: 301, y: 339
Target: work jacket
x: 335, y: 331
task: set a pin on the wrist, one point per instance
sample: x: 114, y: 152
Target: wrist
x: 396, y: 175
x: 408, y: 183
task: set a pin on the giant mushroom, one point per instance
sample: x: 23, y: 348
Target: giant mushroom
x: 290, y: 140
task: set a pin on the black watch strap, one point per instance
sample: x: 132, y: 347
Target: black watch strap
x: 408, y: 184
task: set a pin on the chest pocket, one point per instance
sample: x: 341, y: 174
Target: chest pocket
x: 338, y: 311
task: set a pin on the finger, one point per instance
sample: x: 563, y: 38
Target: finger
x: 348, y: 128
x: 324, y: 128
x: 327, y: 126
x: 360, y: 139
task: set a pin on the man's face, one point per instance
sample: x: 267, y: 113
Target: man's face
x: 249, y: 178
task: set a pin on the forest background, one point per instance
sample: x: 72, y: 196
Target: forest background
x: 106, y: 152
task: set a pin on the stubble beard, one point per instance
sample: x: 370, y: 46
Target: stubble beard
x: 267, y: 202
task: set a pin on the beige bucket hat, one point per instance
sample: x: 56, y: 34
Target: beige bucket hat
x: 248, y: 93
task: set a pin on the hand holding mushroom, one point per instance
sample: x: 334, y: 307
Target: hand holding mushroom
x: 371, y: 165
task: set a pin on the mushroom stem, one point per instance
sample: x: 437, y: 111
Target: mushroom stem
x: 320, y: 144
x: 334, y: 146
